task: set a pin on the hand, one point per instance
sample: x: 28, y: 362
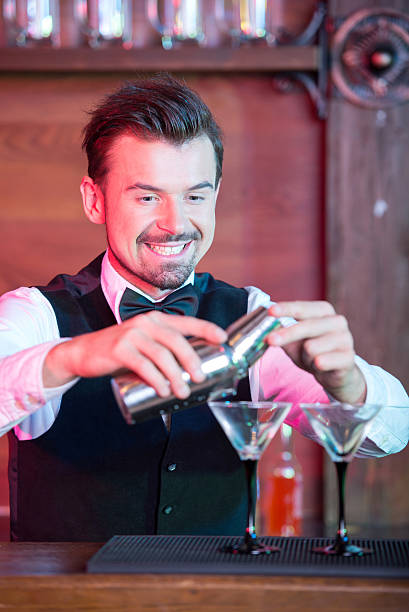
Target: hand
x: 153, y: 345
x: 321, y: 343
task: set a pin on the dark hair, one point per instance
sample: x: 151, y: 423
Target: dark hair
x: 158, y: 107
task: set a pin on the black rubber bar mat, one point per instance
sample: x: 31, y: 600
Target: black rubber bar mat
x: 201, y: 555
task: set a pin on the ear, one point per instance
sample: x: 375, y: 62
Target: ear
x: 92, y: 200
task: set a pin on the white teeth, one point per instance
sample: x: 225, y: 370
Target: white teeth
x: 167, y: 250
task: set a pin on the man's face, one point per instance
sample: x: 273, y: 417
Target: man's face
x: 159, y: 202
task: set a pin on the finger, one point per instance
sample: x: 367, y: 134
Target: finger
x: 157, y: 366
x: 170, y: 331
x: 334, y: 360
x: 301, y: 310
x: 310, y: 328
x: 183, y: 351
x: 190, y: 326
x: 144, y: 368
x: 336, y: 341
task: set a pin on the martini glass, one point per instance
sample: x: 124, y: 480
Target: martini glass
x: 250, y: 426
x: 341, y: 428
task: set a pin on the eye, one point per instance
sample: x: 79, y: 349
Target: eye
x: 193, y: 197
x: 148, y: 198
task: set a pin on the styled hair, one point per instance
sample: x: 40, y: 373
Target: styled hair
x: 152, y: 108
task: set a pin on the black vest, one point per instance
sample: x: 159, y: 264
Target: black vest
x: 91, y: 476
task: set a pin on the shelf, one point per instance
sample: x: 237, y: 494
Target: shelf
x: 221, y: 59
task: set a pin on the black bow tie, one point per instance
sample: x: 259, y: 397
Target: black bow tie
x: 184, y: 301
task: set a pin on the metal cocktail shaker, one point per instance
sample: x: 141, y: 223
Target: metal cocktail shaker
x: 224, y: 365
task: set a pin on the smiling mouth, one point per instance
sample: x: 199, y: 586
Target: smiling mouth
x: 167, y: 250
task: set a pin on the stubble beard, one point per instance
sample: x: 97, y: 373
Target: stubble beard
x: 167, y: 278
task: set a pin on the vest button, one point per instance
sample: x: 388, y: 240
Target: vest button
x: 171, y: 467
x: 167, y: 509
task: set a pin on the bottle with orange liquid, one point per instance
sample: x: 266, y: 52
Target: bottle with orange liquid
x: 284, y: 491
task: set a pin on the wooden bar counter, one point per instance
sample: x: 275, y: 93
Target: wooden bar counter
x: 52, y: 576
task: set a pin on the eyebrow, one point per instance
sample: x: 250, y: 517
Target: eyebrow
x: 202, y: 185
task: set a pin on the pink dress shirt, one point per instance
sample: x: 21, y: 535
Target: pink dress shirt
x: 28, y: 329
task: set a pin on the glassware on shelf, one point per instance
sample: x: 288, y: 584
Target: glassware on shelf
x: 105, y: 23
x: 247, y: 20
x: 284, y: 490
x: 31, y: 22
x: 341, y: 428
x: 250, y: 426
x: 177, y: 21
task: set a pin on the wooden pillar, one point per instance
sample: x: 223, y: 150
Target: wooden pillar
x: 367, y: 264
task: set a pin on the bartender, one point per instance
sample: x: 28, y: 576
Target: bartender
x: 77, y: 471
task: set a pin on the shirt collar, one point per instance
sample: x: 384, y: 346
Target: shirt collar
x: 113, y: 286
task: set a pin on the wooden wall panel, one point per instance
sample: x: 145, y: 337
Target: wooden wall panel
x: 270, y: 207
x: 368, y: 254
x: 269, y: 229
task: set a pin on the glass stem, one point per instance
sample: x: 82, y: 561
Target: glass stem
x: 342, y: 535
x: 251, y: 475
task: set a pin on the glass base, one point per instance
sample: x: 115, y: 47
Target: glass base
x: 344, y: 550
x: 252, y: 548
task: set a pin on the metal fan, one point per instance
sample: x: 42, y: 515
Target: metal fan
x: 370, y: 58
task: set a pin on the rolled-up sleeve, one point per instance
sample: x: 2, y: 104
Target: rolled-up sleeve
x: 28, y: 330
x: 276, y: 377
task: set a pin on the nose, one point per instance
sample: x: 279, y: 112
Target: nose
x: 172, y: 217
